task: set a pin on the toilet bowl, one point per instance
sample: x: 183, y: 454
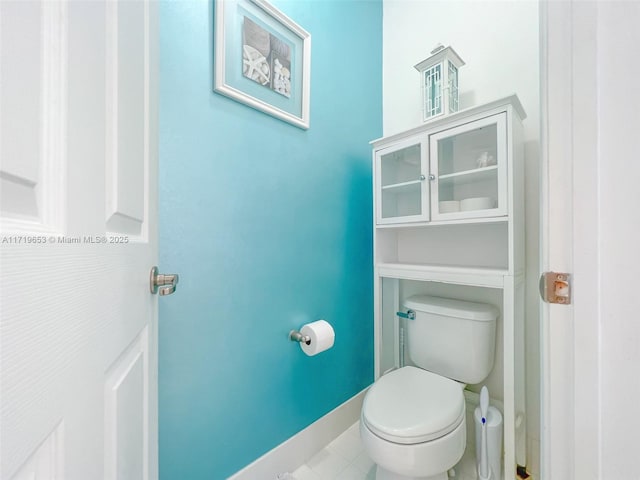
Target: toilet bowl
x: 413, y: 425
x: 413, y: 419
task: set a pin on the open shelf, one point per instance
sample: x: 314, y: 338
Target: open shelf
x: 465, y: 245
x: 444, y: 223
x: 475, y: 276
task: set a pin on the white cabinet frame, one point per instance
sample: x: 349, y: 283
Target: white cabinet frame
x: 393, y: 263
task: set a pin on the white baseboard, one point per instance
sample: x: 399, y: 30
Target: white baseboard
x: 295, y: 451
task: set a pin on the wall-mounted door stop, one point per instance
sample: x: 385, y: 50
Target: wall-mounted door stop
x: 555, y: 287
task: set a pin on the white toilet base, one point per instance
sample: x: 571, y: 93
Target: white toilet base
x: 382, y: 474
x: 423, y: 461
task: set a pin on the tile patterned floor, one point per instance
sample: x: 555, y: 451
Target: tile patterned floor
x: 342, y: 459
x: 345, y: 459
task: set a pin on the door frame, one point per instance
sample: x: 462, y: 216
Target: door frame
x: 570, y: 355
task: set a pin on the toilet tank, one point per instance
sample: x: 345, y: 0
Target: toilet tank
x: 453, y: 338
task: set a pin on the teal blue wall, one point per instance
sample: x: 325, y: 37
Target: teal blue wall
x: 269, y: 227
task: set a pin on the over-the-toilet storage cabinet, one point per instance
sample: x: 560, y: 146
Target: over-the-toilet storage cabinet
x: 449, y: 221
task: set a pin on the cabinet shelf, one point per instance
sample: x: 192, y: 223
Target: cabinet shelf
x: 476, y: 276
x: 411, y: 186
x: 471, y: 175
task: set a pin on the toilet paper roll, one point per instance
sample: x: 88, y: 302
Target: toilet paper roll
x: 322, y: 337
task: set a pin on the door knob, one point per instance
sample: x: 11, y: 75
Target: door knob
x: 163, y: 283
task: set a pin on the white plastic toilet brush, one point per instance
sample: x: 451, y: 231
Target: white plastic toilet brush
x: 484, y: 472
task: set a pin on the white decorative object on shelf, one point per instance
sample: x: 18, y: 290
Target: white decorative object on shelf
x: 485, y: 159
x: 439, y: 82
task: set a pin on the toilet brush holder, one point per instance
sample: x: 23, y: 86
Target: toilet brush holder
x: 494, y: 439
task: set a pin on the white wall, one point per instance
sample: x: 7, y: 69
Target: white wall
x: 497, y: 40
x: 499, y: 43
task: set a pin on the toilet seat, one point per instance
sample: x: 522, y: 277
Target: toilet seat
x: 411, y: 405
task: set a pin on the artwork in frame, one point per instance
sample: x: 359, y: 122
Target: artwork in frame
x: 262, y: 59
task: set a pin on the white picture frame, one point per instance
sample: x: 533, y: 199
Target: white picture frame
x: 262, y: 59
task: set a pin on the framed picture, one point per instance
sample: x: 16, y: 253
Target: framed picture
x: 262, y: 59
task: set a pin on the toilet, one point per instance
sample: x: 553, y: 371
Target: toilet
x: 413, y: 419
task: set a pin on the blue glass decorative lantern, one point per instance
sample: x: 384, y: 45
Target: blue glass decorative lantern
x: 439, y: 82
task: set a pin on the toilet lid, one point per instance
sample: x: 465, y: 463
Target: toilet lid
x: 411, y: 405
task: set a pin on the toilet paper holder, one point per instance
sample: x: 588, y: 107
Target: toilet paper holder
x: 296, y: 336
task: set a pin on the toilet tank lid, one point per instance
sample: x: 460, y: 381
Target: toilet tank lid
x: 450, y: 307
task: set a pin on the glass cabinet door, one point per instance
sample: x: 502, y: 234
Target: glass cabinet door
x: 400, y: 184
x: 468, y: 165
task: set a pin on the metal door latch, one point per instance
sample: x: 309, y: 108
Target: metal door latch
x: 165, y: 284
x: 555, y: 287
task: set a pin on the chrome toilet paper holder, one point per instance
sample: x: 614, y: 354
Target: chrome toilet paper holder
x: 296, y: 336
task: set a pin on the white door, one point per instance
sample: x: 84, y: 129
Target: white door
x: 400, y: 182
x: 78, y: 153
